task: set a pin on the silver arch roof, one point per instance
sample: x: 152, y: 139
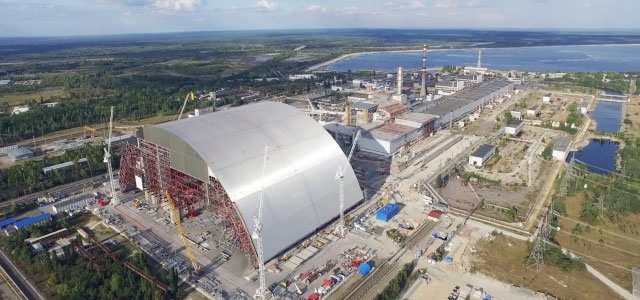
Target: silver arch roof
x: 300, y: 189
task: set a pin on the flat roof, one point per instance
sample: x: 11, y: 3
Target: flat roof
x: 451, y: 103
x: 20, y: 151
x: 534, y: 107
x: 483, y: 150
x: 393, y: 108
x: 390, y: 132
x: 561, y: 143
x: 416, y: 117
x: 363, y: 105
x: 32, y: 220
x: 514, y: 123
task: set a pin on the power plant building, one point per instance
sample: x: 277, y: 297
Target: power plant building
x: 215, y: 161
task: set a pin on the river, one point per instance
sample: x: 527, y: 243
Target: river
x: 552, y: 58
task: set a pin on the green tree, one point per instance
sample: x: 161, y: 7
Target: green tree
x: 548, y: 151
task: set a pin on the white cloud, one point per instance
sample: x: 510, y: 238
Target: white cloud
x: 417, y: 4
x: 176, y: 5
x: 160, y: 5
x: 316, y: 9
x: 265, y: 6
x: 342, y: 11
x: 587, y: 5
x: 446, y: 4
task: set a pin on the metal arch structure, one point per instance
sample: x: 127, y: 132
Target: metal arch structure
x: 215, y: 161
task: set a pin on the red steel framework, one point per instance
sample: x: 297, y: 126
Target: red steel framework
x: 152, y: 163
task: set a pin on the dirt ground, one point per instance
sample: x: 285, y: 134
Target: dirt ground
x: 633, y: 114
x: 614, y: 242
x: 503, y: 258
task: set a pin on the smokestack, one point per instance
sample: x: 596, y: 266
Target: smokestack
x: 399, y: 81
x: 423, y: 87
x: 479, y: 58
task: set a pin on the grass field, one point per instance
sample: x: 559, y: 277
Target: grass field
x: 503, y: 258
x: 614, y: 242
x: 13, y: 99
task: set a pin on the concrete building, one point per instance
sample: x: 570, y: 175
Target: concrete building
x: 72, y: 203
x: 533, y: 111
x: 546, y: 98
x: 583, y: 107
x: 388, y: 138
x: 481, y: 156
x: 19, y: 153
x: 561, y: 148
x: 63, y: 165
x: 516, y: 114
x: 389, y: 112
x: 28, y: 222
x: 215, y: 161
x: 514, y: 127
x: 455, y: 107
x: 417, y: 120
x: 302, y: 76
x: 449, y: 87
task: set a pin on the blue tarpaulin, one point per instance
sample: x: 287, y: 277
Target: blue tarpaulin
x: 364, y: 269
x: 387, y: 212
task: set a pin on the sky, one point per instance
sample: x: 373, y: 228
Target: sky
x: 88, y: 17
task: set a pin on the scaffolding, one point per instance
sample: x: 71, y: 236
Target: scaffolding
x: 152, y: 163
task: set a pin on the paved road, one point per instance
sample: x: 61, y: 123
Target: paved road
x: 19, y: 278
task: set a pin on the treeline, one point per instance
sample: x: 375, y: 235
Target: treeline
x: 612, y: 194
x: 600, y: 80
x: 73, y: 277
x: 397, y: 284
x: 28, y: 177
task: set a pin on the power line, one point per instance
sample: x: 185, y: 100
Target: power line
x: 590, y: 257
x: 615, y: 173
x: 610, y: 232
x: 607, y: 185
x: 602, y: 244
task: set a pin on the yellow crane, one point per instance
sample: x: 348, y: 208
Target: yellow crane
x: 187, y: 245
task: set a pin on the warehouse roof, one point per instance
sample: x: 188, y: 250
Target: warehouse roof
x: 6, y: 222
x: 20, y: 151
x: 416, y: 117
x: 363, y: 105
x: 483, y: 150
x: 561, y: 143
x: 32, y: 220
x: 391, y: 132
x: 300, y: 189
x: 514, y: 123
x: 62, y: 165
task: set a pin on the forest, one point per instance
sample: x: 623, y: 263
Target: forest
x: 28, y: 177
x: 73, y: 277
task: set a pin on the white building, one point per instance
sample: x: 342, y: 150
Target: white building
x: 514, y: 127
x: 584, y: 107
x: 449, y: 87
x: 517, y: 115
x: 546, y: 98
x: 533, y: 111
x: 19, y: 109
x: 75, y: 202
x: 302, y: 76
x: 481, y: 156
x: 561, y: 148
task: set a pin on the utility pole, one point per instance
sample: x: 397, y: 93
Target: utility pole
x: 536, y: 257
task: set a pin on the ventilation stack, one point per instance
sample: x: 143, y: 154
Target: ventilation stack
x: 479, y: 58
x: 423, y: 87
x: 399, y: 92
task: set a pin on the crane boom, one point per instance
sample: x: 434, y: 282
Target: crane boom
x: 187, y: 245
x: 184, y: 104
x: 261, y: 292
x: 107, y: 160
x: 340, y: 176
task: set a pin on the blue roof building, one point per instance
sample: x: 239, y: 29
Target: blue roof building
x: 7, y: 222
x: 32, y: 221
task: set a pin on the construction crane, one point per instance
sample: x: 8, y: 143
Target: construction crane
x: 184, y: 104
x: 187, y: 246
x: 261, y: 292
x: 340, y: 230
x: 107, y: 160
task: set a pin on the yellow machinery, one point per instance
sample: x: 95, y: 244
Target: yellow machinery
x: 136, y: 203
x: 347, y: 114
x: 91, y: 130
x: 187, y: 245
x: 385, y: 198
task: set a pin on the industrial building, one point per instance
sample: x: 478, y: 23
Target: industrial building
x: 546, y: 98
x: 72, y: 203
x: 514, y: 127
x: 215, y: 161
x: 63, y: 165
x: 405, y: 128
x: 36, y: 220
x: 454, y: 107
x: 479, y: 157
x: 561, y: 148
x: 533, y: 111
x: 19, y: 153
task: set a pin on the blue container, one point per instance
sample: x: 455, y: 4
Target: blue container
x: 448, y: 259
x: 364, y: 269
x: 6, y: 222
x: 387, y: 212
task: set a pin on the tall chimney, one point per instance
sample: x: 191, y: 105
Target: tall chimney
x: 423, y: 87
x: 479, y: 58
x: 399, y: 81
